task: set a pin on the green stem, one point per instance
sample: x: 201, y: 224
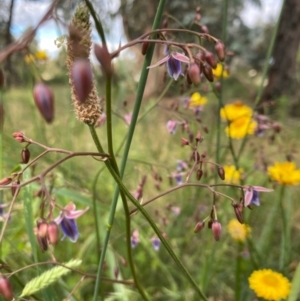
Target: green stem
x: 264, y: 75
x: 285, y: 230
x: 238, y: 273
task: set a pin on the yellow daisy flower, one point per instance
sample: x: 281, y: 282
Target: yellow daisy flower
x: 217, y: 72
x: 232, y: 175
x: 269, y: 285
x: 197, y: 100
x: 239, y: 232
x: 235, y: 110
x: 241, y: 127
x: 41, y: 55
x: 284, y: 173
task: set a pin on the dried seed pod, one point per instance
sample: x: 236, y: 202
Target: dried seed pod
x: 104, y: 59
x: 53, y: 233
x: 25, y: 155
x: 44, y: 100
x: 5, y: 288
x: 207, y: 70
x: 199, y: 226
x: 82, y: 78
x: 220, y: 50
x: 221, y: 173
x: 194, y: 74
x: 210, y: 59
x: 238, y: 210
x: 216, y: 230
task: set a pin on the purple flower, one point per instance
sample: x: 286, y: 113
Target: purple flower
x: 134, y: 239
x: 181, y: 165
x: 3, y: 215
x: 171, y: 126
x: 173, y: 60
x: 251, y: 195
x: 67, y: 222
x: 178, y: 178
x: 127, y: 118
x: 156, y: 243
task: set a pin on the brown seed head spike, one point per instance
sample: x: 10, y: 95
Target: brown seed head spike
x: 78, y: 47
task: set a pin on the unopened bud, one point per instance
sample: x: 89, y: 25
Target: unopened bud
x: 14, y: 187
x: 104, y: 59
x: 53, y: 233
x: 220, y: 50
x: 207, y: 70
x: 19, y: 136
x: 238, y: 210
x: 196, y: 156
x: 221, y: 173
x: 276, y: 127
x: 184, y: 142
x: 25, y: 155
x: 145, y: 46
x: 199, y: 174
x: 199, y: 226
x: 194, y: 74
x: 82, y: 79
x: 44, y: 100
x: 5, y: 288
x: 210, y: 59
x: 204, y: 29
x: 197, y: 17
x: 116, y: 272
x: 5, y: 181
x: 41, y: 234
x: 216, y: 230
x: 199, y: 137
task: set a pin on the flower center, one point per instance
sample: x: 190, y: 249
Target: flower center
x: 271, y: 281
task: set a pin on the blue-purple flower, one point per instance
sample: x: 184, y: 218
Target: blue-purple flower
x: 67, y: 222
x: 251, y: 196
x: 171, y: 126
x: 173, y: 60
x: 156, y: 243
x: 134, y: 239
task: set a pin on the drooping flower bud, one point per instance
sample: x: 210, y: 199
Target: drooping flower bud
x: 207, y: 71
x: 199, y: 226
x: 5, y: 288
x: 204, y: 29
x: 194, y: 74
x: 5, y: 181
x: 220, y: 50
x: 221, y: 173
x: 41, y: 234
x: 238, y: 210
x: 199, y: 174
x: 44, y: 100
x: 19, y: 136
x: 25, y: 156
x: 145, y: 46
x: 210, y: 59
x: 104, y: 59
x: 14, y: 187
x: 216, y: 230
x: 82, y: 79
x: 184, y: 142
x: 53, y: 233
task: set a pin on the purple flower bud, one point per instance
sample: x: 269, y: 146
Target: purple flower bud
x: 194, y: 74
x: 44, y: 100
x: 5, y: 288
x: 104, y: 59
x: 25, y: 155
x: 220, y: 50
x: 171, y: 126
x: 216, y: 230
x: 156, y: 243
x: 199, y: 226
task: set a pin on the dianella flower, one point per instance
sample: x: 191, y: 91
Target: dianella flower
x: 67, y: 222
x: 173, y: 61
x: 251, y: 196
x: 156, y: 243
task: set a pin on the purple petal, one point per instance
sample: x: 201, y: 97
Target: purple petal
x: 59, y: 218
x: 69, y: 229
x: 163, y: 60
x: 255, y: 198
x: 156, y: 243
x: 180, y: 57
x: 174, y: 67
x: 262, y: 189
x: 248, y: 196
x: 75, y: 214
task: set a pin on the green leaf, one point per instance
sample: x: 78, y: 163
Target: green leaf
x: 295, y: 289
x: 48, y: 277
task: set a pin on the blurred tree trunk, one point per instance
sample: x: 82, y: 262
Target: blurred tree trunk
x: 282, y: 73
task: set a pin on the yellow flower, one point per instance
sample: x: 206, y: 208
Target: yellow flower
x: 29, y: 58
x: 238, y: 231
x: 235, y: 110
x: 232, y: 175
x: 241, y: 127
x: 217, y: 72
x: 41, y: 55
x: 284, y: 173
x: 269, y: 285
x: 197, y: 100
